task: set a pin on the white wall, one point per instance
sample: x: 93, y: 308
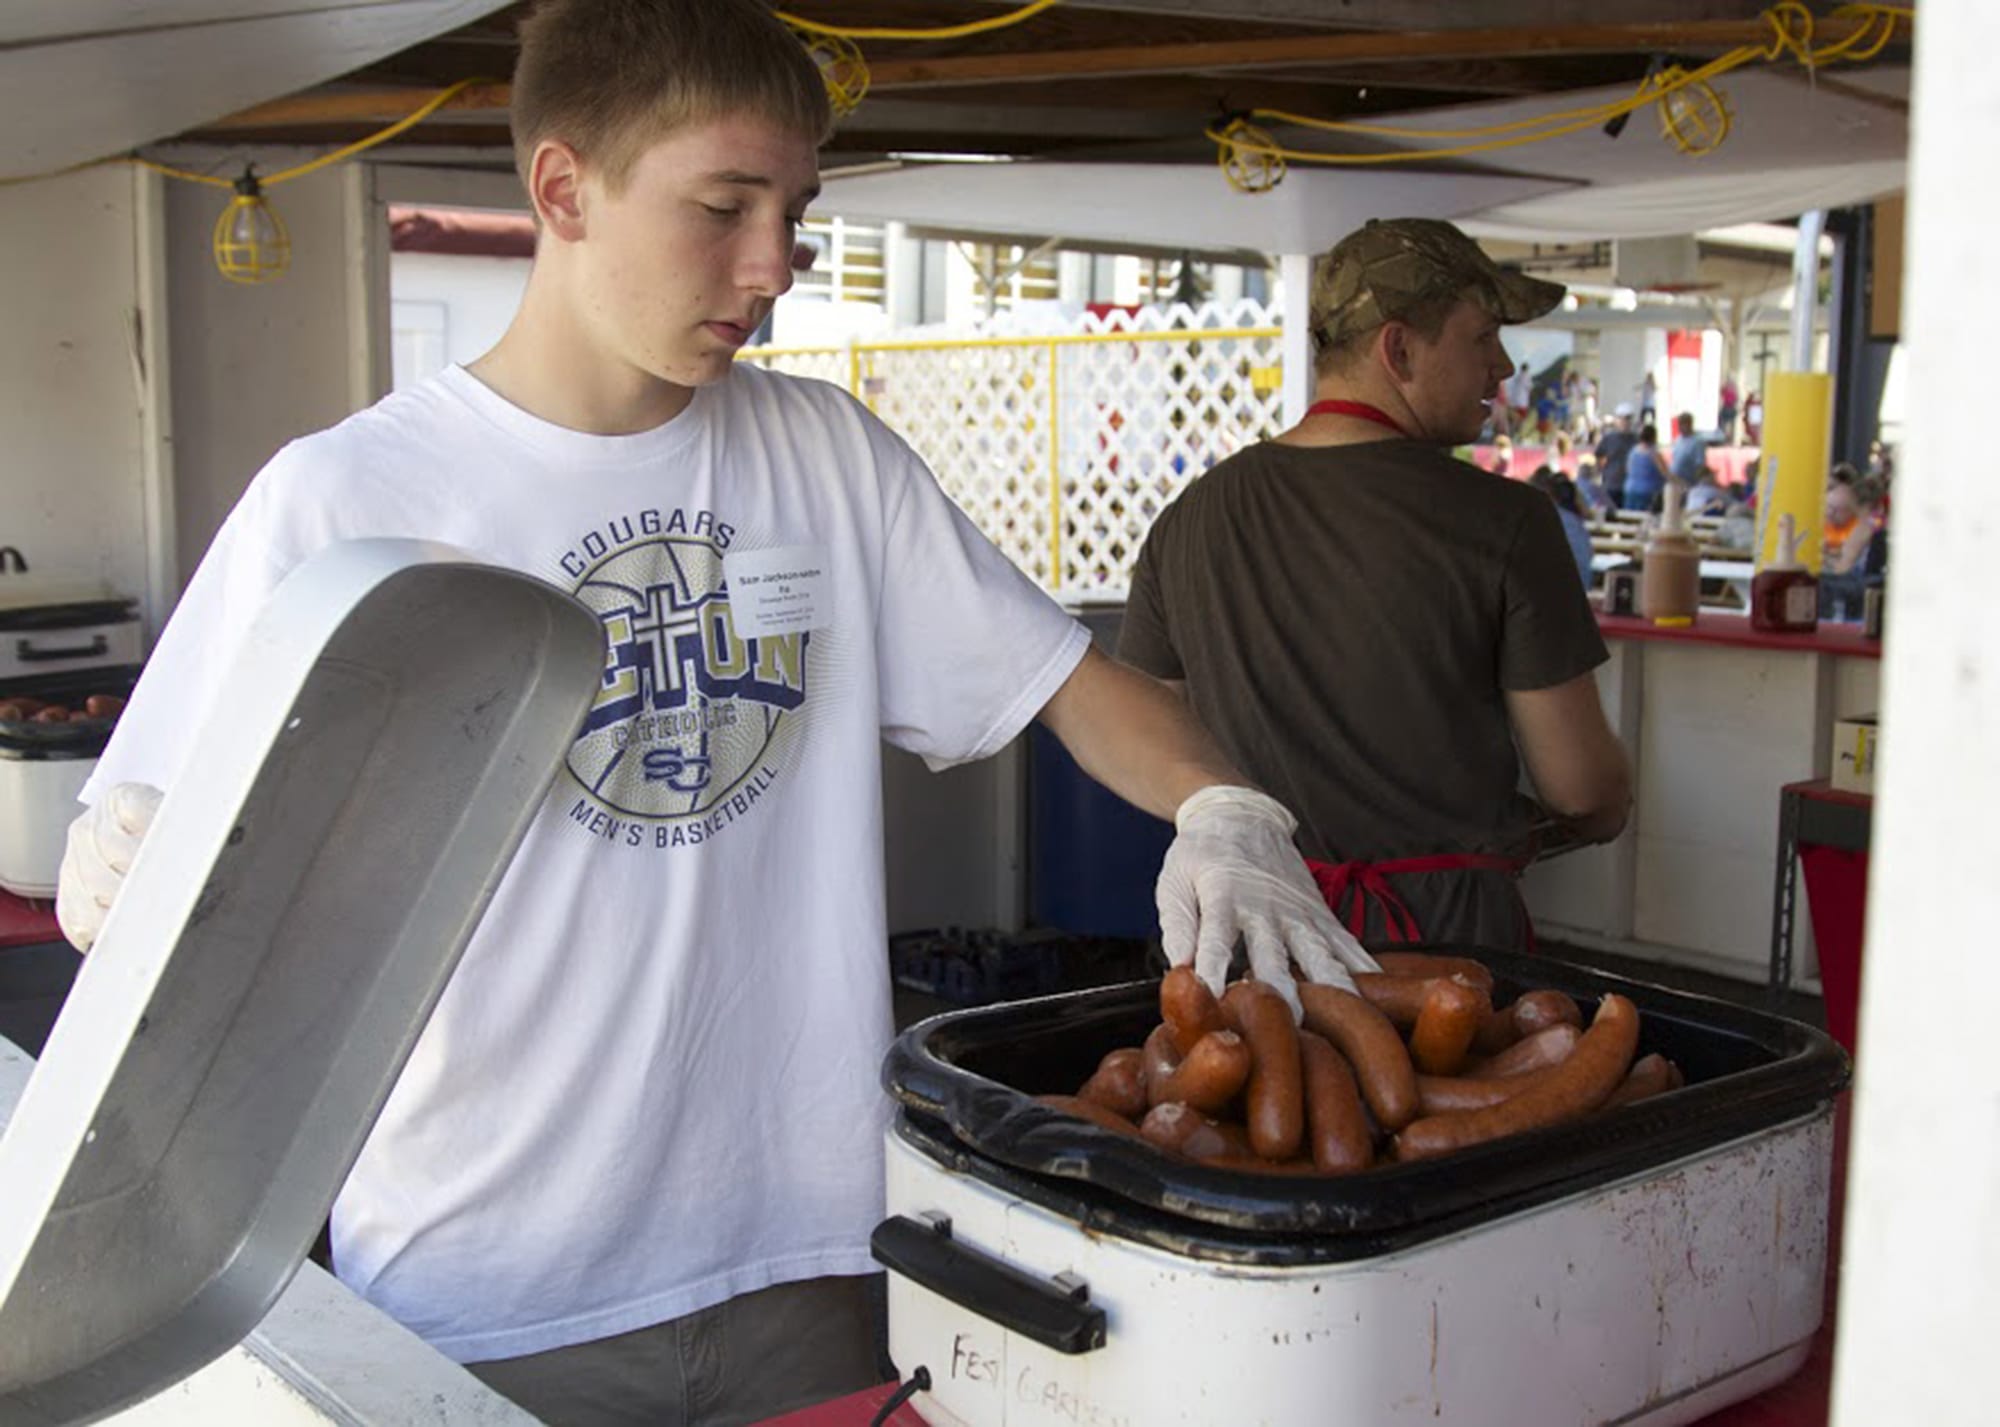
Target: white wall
x: 467, y: 302
x: 82, y: 390
x: 1622, y: 355
x: 255, y: 367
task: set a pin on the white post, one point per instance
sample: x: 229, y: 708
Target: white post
x: 1920, y: 1281
x: 1805, y: 287
x: 152, y: 381
x: 1295, y: 347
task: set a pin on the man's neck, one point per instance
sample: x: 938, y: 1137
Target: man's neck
x: 1348, y: 429
x: 546, y: 364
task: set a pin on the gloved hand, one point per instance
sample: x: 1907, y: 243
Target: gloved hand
x: 1233, y: 871
x: 102, y: 843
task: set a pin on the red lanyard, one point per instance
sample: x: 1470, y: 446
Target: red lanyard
x: 1361, y: 409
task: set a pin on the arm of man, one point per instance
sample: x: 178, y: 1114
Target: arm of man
x: 1576, y: 762
x: 1131, y: 733
x: 1233, y: 869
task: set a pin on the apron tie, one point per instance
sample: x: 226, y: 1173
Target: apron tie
x: 1366, y: 880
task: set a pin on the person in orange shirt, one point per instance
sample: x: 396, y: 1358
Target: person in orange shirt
x: 1853, y: 516
x: 1843, y: 517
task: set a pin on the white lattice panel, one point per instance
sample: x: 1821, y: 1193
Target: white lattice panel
x: 1069, y: 487
x: 978, y: 413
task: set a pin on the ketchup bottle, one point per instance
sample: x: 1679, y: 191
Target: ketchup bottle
x: 1784, y: 596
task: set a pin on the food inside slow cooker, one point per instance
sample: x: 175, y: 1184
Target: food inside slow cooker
x: 20, y: 708
x: 1420, y: 1064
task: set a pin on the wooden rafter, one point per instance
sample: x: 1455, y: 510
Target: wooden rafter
x: 1411, y: 60
x: 1708, y: 37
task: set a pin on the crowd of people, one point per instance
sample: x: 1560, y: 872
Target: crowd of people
x: 1625, y: 468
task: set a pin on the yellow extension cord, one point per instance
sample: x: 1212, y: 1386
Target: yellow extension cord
x: 1693, y: 115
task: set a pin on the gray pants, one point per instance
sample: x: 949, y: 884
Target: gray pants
x: 753, y: 1357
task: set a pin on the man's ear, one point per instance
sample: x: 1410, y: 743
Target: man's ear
x: 555, y: 188
x: 1392, y: 345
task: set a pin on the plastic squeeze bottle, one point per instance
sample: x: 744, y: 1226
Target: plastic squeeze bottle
x: 1670, y: 571
x: 1784, y: 596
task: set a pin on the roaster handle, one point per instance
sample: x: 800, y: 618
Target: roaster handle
x: 1056, y: 1313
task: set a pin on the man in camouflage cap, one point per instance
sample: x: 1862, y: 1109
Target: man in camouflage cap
x: 1386, y: 269
x: 1419, y: 273
x: 1371, y: 627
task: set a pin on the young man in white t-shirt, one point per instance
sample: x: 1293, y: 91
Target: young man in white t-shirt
x: 630, y: 1170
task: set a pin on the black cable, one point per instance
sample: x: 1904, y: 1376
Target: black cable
x: 920, y: 1381
x: 1616, y: 125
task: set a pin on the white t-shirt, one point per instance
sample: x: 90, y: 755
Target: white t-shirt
x: 651, y: 1083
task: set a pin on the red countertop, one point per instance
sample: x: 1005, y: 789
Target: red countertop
x: 25, y: 923
x: 1734, y: 631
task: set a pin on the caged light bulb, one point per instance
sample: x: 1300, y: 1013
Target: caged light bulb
x: 251, y: 244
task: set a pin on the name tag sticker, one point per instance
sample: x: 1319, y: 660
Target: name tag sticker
x: 778, y: 591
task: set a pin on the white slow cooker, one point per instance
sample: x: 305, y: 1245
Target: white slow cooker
x: 1645, y: 1267
x: 58, y: 645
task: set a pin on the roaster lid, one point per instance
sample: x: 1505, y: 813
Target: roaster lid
x: 374, y: 758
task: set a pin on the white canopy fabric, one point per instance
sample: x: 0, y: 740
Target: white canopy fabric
x: 1793, y: 146
x: 1163, y: 205
x: 83, y: 79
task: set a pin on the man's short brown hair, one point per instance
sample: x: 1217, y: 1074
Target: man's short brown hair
x: 610, y: 77
x: 1426, y: 317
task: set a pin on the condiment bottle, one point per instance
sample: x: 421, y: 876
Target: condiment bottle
x: 1670, y: 571
x: 1784, y: 595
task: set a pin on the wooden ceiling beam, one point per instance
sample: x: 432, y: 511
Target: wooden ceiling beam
x: 1434, y: 14
x: 1210, y: 57
x: 358, y: 106
x: 1702, y: 37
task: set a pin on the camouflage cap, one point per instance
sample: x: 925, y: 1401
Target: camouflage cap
x: 1382, y: 270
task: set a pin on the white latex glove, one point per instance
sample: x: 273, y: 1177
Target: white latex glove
x: 1233, y: 871
x: 102, y: 843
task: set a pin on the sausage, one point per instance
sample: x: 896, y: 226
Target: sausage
x: 1533, y: 1011
x: 1274, y: 1105
x: 1650, y: 1075
x: 1089, y: 1110
x: 1119, y: 1084
x: 11, y: 712
x: 1209, y: 1076
x: 1538, y: 1010
x: 1337, y: 1130
x: 1425, y: 964
x: 1535, y: 1052
x: 104, y: 706
x: 1571, y: 1090
x: 1451, y: 1016
x: 1188, y: 1007
x: 1159, y: 1061
x: 1401, y: 998
x: 1363, y: 1034
x: 1177, y: 1129
x: 54, y: 713
x: 1495, y: 1033
x: 1448, y: 1094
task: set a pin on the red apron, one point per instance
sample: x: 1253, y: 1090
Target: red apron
x: 1367, y: 880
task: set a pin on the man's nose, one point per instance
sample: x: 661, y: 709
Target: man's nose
x: 769, y: 267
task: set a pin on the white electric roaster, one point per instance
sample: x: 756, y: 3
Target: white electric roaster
x: 1645, y: 1267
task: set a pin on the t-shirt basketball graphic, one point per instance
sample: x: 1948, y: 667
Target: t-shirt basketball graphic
x: 694, y: 722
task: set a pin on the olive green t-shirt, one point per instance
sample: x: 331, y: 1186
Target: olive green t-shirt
x: 1347, y: 619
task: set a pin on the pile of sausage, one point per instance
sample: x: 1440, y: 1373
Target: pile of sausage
x: 22, y: 709
x: 1420, y: 1064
